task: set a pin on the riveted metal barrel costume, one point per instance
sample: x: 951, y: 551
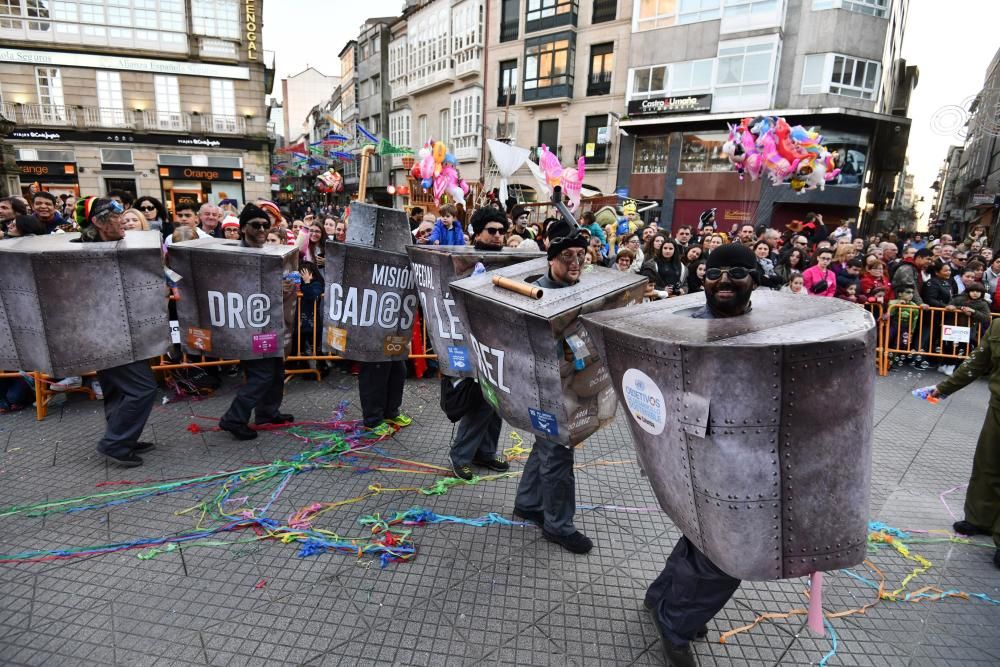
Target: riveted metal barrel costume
x: 370, y: 302
x: 68, y: 308
x: 434, y: 268
x: 234, y: 300
x: 755, y: 431
x: 537, y: 364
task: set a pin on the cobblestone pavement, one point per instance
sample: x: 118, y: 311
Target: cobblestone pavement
x: 496, y: 594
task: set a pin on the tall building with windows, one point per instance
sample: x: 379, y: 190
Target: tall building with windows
x: 696, y: 65
x: 300, y: 93
x: 436, y: 83
x: 349, y: 105
x: 157, y: 97
x: 551, y: 78
x: 373, y: 99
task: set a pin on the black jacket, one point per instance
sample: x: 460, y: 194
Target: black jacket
x: 936, y: 292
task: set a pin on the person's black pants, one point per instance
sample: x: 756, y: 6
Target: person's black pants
x: 381, y: 387
x: 261, y: 392
x: 129, y: 395
x: 689, y: 592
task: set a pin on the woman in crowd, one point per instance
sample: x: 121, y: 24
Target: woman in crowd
x: 651, y: 248
x: 274, y: 238
x: 631, y: 241
x: 792, y: 262
x: 513, y: 241
x: 665, y: 272
x: 25, y: 225
x: 623, y: 260
x: 842, y: 254
x: 231, y: 228
x: 714, y: 241
x: 315, y: 249
x: 330, y: 227
x: 765, y: 267
x: 696, y: 276
x: 135, y: 221
x: 936, y: 292
x: 874, y: 277
x: 691, y: 255
x: 156, y: 215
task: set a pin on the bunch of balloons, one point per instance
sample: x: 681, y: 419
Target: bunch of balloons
x: 330, y: 181
x: 571, y: 179
x: 437, y: 171
x: 771, y: 145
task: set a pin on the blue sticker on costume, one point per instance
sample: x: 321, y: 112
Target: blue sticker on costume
x: 543, y: 421
x: 458, y: 357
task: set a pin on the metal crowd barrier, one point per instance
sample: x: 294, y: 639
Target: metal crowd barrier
x: 927, y: 341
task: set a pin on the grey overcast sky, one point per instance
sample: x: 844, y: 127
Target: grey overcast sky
x: 951, y: 42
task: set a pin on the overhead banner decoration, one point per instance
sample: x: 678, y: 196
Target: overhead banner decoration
x: 235, y: 302
x: 537, y: 364
x: 114, y: 314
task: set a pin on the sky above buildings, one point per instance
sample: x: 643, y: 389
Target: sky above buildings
x: 952, y: 43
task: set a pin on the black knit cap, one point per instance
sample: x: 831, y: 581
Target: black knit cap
x: 252, y: 212
x: 730, y: 255
x: 486, y: 215
x: 562, y: 235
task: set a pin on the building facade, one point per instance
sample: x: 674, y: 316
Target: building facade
x: 300, y: 93
x: 696, y: 65
x: 552, y: 78
x: 373, y: 99
x: 349, y: 104
x: 436, y: 82
x: 975, y: 182
x: 161, y: 98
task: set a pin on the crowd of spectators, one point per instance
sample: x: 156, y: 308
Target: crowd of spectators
x: 896, y: 274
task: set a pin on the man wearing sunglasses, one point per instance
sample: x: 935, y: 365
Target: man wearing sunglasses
x: 130, y: 389
x: 479, y: 427
x: 546, y: 494
x: 264, y: 387
x: 692, y: 589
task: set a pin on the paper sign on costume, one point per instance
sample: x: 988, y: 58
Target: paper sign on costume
x: 535, y: 360
x: 434, y: 269
x: 370, y: 304
x: 68, y: 308
x: 234, y: 301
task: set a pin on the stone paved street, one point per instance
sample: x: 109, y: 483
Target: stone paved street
x: 472, y: 595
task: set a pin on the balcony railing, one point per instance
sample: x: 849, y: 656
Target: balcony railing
x: 506, y: 97
x: 599, y: 83
x: 508, y: 29
x: 108, y: 117
x: 430, y: 79
x: 604, y: 10
x: 167, y: 121
x: 46, y: 114
x: 602, y: 153
x: 468, y: 61
x: 214, y: 123
x: 8, y: 111
x: 467, y: 149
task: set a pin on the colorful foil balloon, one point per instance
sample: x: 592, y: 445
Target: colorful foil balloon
x: 572, y: 182
x: 550, y: 166
x: 771, y: 145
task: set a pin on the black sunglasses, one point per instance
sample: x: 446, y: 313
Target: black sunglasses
x: 736, y: 273
x: 147, y: 208
x: 493, y: 230
x: 259, y: 225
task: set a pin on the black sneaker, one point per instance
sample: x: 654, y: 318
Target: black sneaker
x: 496, y: 463
x: 534, y: 516
x: 129, y: 460
x: 278, y: 419
x: 239, y: 431
x: 463, y: 472
x: 966, y: 528
x: 143, y: 447
x: 576, y: 542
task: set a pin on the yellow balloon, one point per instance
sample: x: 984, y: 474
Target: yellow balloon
x: 440, y: 151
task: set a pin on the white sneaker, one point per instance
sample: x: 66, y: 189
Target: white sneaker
x: 72, y: 382
x: 947, y: 370
x: 95, y: 386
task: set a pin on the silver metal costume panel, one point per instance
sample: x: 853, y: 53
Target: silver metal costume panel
x: 378, y: 227
x: 71, y: 308
x: 434, y: 268
x: 234, y: 302
x: 755, y: 431
x: 537, y: 364
x: 370, y: 303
